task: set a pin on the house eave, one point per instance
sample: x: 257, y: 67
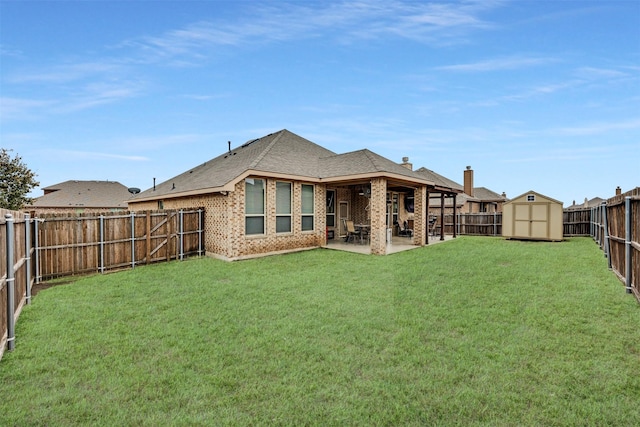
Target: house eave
x: 371, y: 175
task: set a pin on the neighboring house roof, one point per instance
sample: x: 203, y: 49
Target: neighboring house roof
x: 83, y: 194
x: 280, y: 154
x: 486, y: 195
x: 596, y: 201
x: 480, y: 194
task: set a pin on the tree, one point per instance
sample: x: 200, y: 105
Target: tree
x: 16, y: 181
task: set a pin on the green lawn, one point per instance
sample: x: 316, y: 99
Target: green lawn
x: 476, y: 331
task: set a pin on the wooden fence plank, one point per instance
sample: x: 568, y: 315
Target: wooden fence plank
x: 70, y: 244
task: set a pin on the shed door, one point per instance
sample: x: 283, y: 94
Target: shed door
x: 531, y: 220
x: 540, y: 221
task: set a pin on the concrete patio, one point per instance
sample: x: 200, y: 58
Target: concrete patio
x: 398, y: 244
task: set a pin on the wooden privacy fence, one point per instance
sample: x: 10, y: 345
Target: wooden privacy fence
x: 75, y: 244
x: 473, y: 224
x: 54, y: 245
x: 615, y: 226
x: 16, y: 270
x: 575, y: 223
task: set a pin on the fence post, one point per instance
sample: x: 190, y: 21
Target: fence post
x: 199, y: 232
x: 36, y: 250
x: 27, y: 250
x: 101, y: 244
x: 181, y: 234
x: 495, y: 223
x: 627, y: 242
x: 10, y: 282
x: 133, y: 240
x: 607, y: 245
x: 592, y: 219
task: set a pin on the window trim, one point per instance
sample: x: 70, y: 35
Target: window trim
x: 263, y: 214
x: 303, y: 214
x: 290, y: 214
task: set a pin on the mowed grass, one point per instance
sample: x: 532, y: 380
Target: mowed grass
x: 476, y: 331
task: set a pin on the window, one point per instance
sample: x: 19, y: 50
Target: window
x: 254, y: 206
x: 531, y: 198
x: 331, y: 208
x: 307, y: 207
x: 283, y: 207
x: 395, y: 207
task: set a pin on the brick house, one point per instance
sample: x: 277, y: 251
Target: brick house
x: 283, y: 193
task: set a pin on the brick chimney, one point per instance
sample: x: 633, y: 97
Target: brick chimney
x: 468, y: 181
x: 405, y: 163
x: 618, y: 190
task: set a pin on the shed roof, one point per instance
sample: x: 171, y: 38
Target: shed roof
x: 515, y: 199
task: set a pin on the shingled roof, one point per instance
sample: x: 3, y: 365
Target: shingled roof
x: 438, y: 179
x: 83, y: 194
x: 280, y: 154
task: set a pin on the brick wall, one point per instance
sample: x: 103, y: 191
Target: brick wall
x: 378, y: 211
x: 224, y: 221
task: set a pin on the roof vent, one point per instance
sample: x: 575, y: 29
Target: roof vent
x: 246, y: 144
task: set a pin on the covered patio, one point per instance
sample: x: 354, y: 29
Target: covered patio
x: 391, y: 211
x: 398, y: 244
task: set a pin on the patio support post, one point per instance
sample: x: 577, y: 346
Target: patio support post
x: 441, y: 216
x: 378, y: 216
x: 421, y: 221
x: 455, y: 222
x: 10, y: 282
x: 426, y: 203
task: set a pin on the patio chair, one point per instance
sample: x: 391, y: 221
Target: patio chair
x: 433, y: 221
x: 365, y: 235
x: 404, y: 230
x: 352, y: 233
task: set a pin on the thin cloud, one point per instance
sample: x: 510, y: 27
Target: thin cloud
x: 592, y: 73
x: 90, y: 96
x: 22, y: 108
x: 342, y: 22
x: 96, y: 94
x: 69, y: 72
x: 91, y: 155
x: 498, y: 64
x: 599, y: 128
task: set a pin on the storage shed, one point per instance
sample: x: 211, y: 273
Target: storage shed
x: 532, y: 216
